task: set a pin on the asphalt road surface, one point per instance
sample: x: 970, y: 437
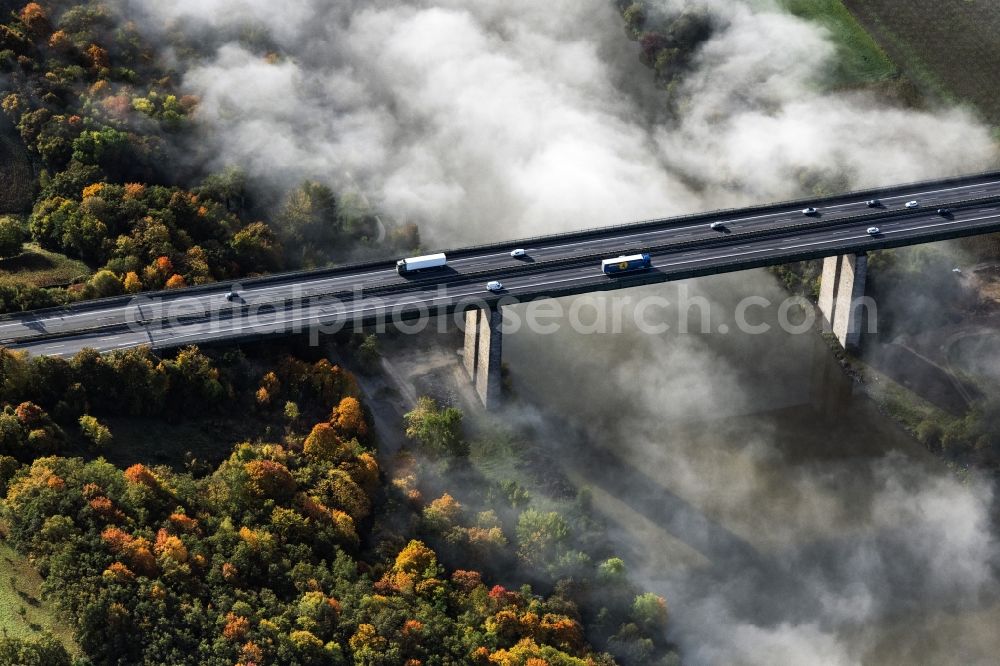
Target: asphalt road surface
x: 553, y: 266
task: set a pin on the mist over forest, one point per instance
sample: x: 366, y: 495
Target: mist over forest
x: 497, y: 120
x: 751, y: 486
x: 694, y: 498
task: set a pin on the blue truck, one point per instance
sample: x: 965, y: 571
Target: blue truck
x: 624, y: 264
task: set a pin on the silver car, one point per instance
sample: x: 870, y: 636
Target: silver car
x: 809, y: 211
x: 872, y: 231
x: 494, y: 286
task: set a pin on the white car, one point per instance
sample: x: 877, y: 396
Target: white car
x: 912, y: 204
x: 809, y: 211
x: 519, y: 252
x: 872, y: 231
x: 494, y: 286
x: 716, y: 226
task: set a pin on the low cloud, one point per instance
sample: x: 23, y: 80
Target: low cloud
x: 492, y: 120
x: 501, y: 120
x: 822, y: 534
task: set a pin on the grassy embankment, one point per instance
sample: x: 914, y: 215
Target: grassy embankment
x: 949, y: 49
x: 860, y: 59
x: 942, y: 52
x: 41, y: 268
x: 23, y: 612
x: 35, y: 267
x: 893, y: 399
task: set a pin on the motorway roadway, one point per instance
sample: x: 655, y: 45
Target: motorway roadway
x: 558, y: 265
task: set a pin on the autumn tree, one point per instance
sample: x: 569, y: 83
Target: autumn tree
x: 132, y: 283
x: 35, y: 19
x: 349, y: 419
x: 269, y: 388
x: 262, y: 561
x: 95, y: 431
x: 193, y: 379
x: 368, y: 352
x: 442, y: 513
x: 309, y: 223
x: 649, y: 611
x: 635, y: 18
x: 417, y: 559
x: 541, y: 536
x: 105, y: 283
x: 256, y: 248
x: 42, y: 651
x: 337, y: 489
x: 323, y: 443
x: 12, y: 236
x: 175, y: 281
x: 438, y: 430
x: 267, y: 478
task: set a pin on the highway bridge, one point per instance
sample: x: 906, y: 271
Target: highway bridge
x: 557, y: 265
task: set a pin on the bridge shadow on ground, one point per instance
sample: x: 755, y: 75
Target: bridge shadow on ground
x: 769, y: 586
x: 920, y: 375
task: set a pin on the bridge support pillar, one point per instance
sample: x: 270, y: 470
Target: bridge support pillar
x: 471, y: 349
x: 841, y: 297
x: 483, y: 353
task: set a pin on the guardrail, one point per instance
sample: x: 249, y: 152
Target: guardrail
x: 721, y: 240
x: 539, y: 267
x: 626, y: 280
x: 896, y: 190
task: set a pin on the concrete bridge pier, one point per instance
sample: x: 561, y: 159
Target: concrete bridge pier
x: 842, y: 297
x: 483, y: 353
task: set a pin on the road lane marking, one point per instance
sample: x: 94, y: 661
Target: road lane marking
x: 388, y: 307
x: 207, y: 299
x: 460, y: 295
x: 416, y: 301
x: 893, y: 231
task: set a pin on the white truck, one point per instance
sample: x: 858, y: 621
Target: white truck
x: 411, y: 264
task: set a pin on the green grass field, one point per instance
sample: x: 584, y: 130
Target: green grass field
x: 950, y: 49
x: 41, y: 268
x: 861, y: 60
x: 23, y: 612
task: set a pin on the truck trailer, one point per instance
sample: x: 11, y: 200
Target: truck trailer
x: 412, y: 264
x: 624, y: 264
